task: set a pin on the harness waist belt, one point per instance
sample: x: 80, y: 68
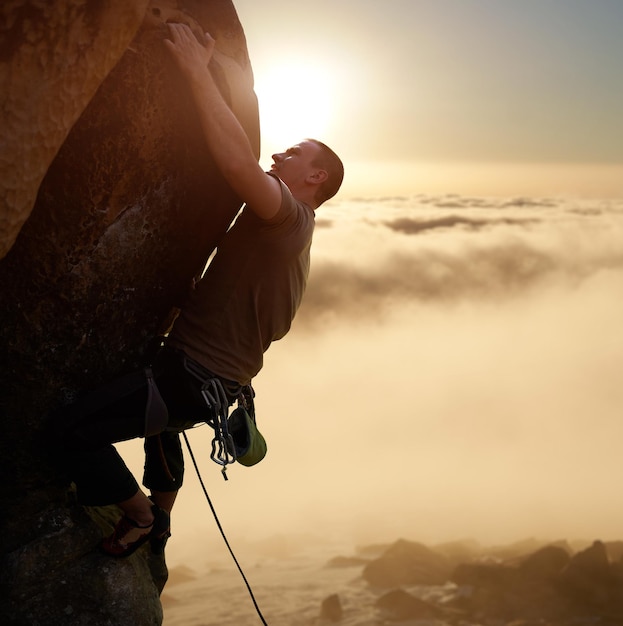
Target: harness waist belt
x: 202, y: 374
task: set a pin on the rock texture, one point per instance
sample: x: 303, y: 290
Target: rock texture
x: 53, y: 57
x: 99, y: 128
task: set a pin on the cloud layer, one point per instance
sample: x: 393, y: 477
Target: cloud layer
x: 445, y: 378
x: 372, y: 254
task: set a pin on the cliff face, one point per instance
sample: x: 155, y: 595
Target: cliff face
x: 53, y: 57
x: 100, y: 139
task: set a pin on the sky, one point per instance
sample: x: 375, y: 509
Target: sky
x: 463, y: 96
x: 454, y: 370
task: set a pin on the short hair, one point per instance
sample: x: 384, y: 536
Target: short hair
x: 332, y: 164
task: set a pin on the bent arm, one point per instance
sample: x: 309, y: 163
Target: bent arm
x: 225, y: 137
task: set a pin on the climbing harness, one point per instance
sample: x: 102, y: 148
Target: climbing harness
x: 218, y: 524
x: 236, y: 436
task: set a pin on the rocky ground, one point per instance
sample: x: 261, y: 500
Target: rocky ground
x: 524, y: 584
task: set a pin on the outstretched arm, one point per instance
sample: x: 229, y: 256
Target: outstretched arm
x: 225, y: 137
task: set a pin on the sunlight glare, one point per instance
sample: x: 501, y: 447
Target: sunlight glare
x: 295, y: 101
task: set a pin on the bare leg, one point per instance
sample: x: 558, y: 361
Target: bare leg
x: 164, y: 499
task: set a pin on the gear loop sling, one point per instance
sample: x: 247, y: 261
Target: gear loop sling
x: 218, y: 401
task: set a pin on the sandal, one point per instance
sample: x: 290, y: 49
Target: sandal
x: 117, y: 547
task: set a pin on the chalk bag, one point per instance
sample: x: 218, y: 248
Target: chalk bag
x: 250, y: 445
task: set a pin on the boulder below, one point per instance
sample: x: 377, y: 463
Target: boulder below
x: 407, y: 563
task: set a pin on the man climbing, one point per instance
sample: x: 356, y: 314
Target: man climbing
x: 246, y: 299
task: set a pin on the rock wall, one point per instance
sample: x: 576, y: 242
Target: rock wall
x: 101, y: 140
x: 53, y: 57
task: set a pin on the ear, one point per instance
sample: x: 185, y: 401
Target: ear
x: 317, y: 177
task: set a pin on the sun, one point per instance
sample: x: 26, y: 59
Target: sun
x: 295, y: 102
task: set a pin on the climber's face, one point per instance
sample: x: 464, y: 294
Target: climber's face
x: 296, y: 164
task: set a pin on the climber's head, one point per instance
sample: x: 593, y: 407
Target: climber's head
x: 310, y: 169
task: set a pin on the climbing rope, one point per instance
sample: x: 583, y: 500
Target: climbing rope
x: 218, y: 523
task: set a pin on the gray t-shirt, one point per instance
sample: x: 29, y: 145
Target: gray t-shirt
x: 250, y: 292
